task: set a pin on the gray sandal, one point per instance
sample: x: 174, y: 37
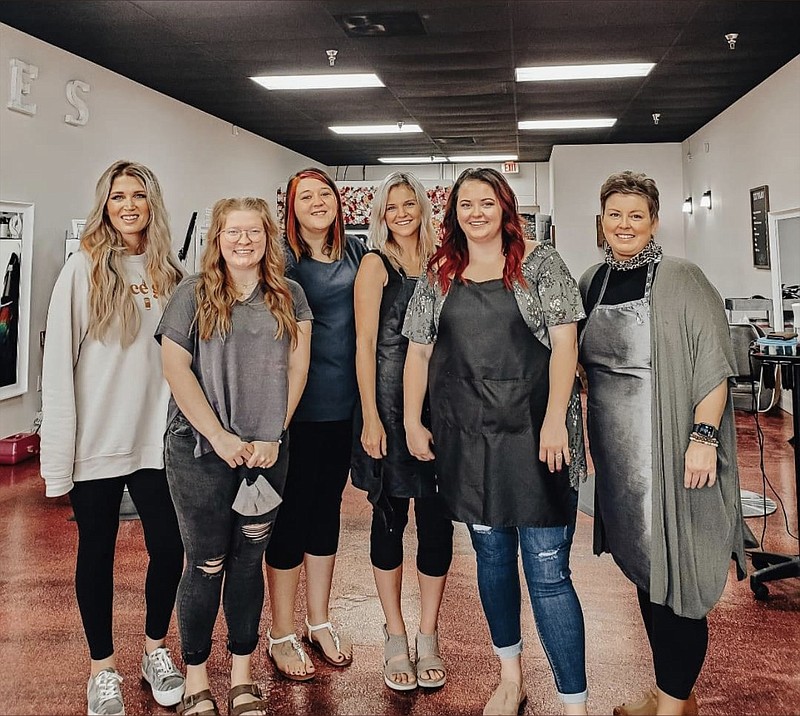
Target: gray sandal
x: 396, y: 661
x: 429, y: 659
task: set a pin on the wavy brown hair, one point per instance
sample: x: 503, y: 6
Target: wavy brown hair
x: 111, y: 304
x: 215, y: 292
x: 451, y: 258
x: 335, y: 241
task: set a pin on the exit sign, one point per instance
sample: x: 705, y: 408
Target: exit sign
x: 510, y: 167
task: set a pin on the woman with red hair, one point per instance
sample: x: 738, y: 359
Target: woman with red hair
x: 324, y: 261
x: 492, y: 332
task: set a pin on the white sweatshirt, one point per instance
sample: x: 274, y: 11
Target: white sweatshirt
x: 104, y: 406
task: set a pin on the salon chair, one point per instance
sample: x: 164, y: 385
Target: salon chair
x: 751, y: 378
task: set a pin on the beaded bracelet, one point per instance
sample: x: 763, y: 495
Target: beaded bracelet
x: 703, y: 440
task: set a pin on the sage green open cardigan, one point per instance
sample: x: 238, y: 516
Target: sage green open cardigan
x: 695, y: 532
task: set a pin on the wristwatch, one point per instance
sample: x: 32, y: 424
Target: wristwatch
x: 706, y: 430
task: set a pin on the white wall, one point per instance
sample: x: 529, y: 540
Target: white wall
x: 754, y: 142
x: 576, y: 174
x: 196, y: 157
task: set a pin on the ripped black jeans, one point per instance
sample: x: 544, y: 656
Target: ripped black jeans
x: 224, y: 550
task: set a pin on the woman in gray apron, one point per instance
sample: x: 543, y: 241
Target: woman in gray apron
x: 499, y: 356
x: 401, y: 234
x: 657, y: 355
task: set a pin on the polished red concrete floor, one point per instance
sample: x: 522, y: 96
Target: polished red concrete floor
x: 752, y: 666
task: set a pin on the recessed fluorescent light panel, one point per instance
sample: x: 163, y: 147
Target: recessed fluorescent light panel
x: 378, y: 129
x: 583, y: 72
x: 412, y: 160
x: 567, y: 123
x: 483, y: 158
x: 331, y: 81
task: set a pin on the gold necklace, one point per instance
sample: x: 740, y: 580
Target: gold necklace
x: 243, y: 290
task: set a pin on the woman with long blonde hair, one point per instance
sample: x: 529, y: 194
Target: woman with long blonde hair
x: 235, y: 342
x: 104, y: 401
x: 401, y: 236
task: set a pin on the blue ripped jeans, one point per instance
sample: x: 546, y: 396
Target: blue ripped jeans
x: 556, y: 609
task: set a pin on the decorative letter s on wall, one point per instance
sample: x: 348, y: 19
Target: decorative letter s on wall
x: 77, y: 102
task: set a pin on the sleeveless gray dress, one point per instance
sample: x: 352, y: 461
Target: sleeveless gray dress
x: 398, y: 474
x: 615, y: 353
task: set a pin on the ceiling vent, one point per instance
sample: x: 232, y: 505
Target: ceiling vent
x: 455, y: 140
x: 381, y: 24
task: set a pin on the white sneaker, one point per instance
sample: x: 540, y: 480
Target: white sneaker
x: 104, y: 695
x: 165, y: 680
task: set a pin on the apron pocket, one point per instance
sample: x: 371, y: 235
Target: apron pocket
x: 507, y: 405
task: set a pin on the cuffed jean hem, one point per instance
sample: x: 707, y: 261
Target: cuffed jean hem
x: 508, y: 652
x: 574, y: 698
x: 196, y: 658
x: 242, y: 648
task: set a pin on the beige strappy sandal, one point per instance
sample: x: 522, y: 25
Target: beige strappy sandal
x: 429, y: 659
x: 397, y: 661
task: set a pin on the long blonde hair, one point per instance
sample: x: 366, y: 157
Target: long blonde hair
x: 379, y: 235
x: 111, y: 304
x: 215, y: 292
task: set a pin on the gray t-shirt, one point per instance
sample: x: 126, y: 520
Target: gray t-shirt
x: 243, y: 376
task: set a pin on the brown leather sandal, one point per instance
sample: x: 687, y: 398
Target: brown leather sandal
x: 189, y: 702
x: 257, y: 704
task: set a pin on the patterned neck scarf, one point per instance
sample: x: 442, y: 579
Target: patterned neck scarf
x: 651, y: 252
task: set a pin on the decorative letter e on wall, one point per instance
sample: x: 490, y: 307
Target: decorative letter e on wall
x: 21, y: 75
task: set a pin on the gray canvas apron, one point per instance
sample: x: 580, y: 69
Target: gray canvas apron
x: 615, y: 353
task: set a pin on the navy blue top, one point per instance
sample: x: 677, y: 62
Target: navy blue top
x: 331, y: 391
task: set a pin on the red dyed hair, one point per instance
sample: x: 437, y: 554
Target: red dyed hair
x: 450, y: 260
x: 334, y: 244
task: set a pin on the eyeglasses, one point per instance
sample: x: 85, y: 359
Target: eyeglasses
x: 236, y: 234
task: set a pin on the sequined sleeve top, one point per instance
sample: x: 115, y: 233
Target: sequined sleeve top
x: 550, y: 298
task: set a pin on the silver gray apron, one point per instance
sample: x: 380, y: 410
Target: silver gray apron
x: 615, y: 353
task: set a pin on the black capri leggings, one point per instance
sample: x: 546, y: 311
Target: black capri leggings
x: 678, y: 644
x: 96, y: 507
x: 308, y: 518
x: 434, y: 536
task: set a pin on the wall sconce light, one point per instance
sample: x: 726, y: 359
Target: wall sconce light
x: 705, y: 200
x: 687, y: 205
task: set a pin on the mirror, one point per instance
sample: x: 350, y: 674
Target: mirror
x: 784, y: 247
x: 16, y: 250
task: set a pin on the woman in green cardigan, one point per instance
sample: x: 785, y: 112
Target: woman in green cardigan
x: 657, y: 354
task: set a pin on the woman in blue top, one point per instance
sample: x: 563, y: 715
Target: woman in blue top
x: 324, y: 262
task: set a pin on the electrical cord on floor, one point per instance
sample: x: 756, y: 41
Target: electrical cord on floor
x: 764, y: 479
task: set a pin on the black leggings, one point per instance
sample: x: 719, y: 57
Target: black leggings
x: 96, y: 506
x: 434, y: 536
x: 308, y: 518
x: 678, y: 644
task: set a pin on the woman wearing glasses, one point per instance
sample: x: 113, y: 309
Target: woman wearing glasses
x: 235, y: 343
x: 324, y: 262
